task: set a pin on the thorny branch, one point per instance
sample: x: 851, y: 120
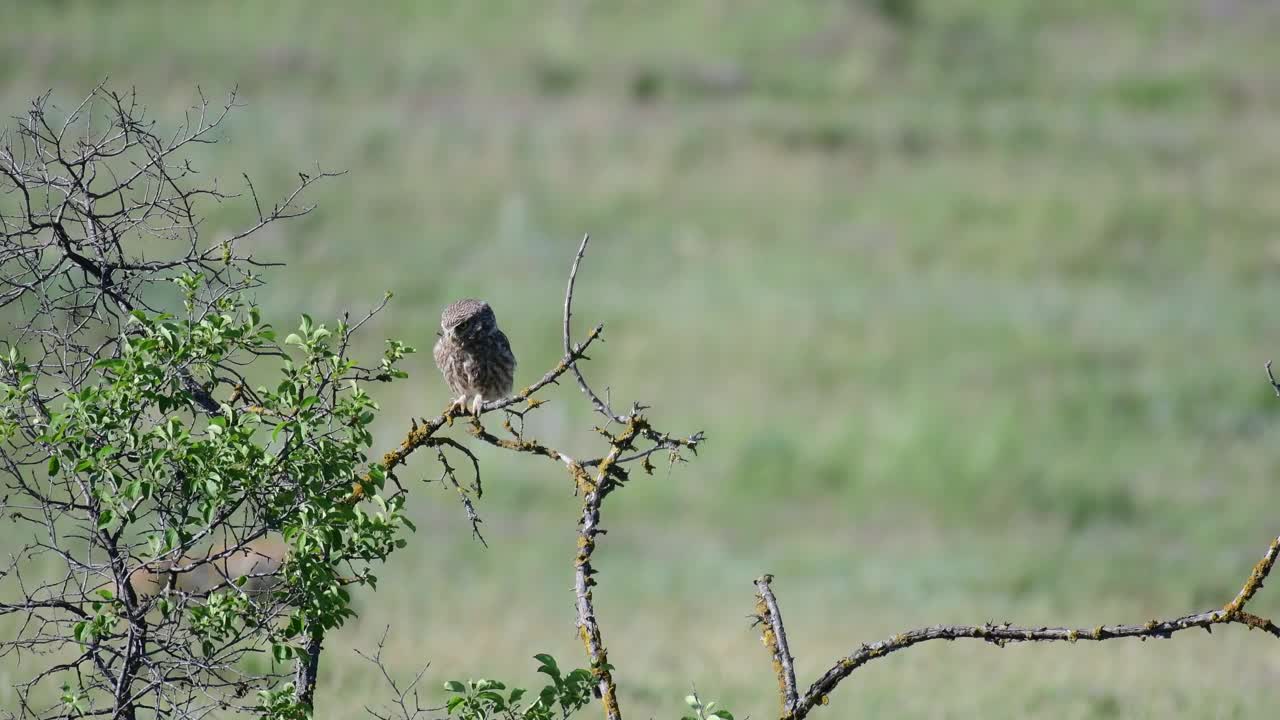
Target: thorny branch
x: 775, y: 638
x: 795, y: 707
x: 407, y: 701
x: 609, y: 471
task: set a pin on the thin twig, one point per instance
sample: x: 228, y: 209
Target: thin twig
x: 599, y: 405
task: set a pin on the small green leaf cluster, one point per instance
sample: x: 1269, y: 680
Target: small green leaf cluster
x: 281, y: 704
x: 484, y: 699
x: 704, y: 711
x: 73, y: 701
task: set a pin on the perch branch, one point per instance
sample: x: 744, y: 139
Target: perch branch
x: 1001, y: 634
x: 609, y: 473
x: 421, y: 435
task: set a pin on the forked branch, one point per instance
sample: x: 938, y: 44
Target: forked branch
x: 795, y: 707
x: 593, y: 479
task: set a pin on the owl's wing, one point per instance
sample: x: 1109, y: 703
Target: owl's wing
x: 438, y: 353
x: 504, y: 347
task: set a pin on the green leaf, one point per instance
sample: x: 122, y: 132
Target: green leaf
x: 692, y: 701
x: 515, y: 696
x: 105, y: 517
x: 133, y: 490
x: 281, y: 652
x: 170, y: 538
x: 455, y: 686
x: 292, y: 339
x: 54, y: 464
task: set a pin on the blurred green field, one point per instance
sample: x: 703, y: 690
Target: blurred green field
x: 971, y: 297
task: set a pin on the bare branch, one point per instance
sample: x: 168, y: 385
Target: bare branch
x: 775, y: 638
x: 598, y: 404
x: 999, y: 634
x: 406, y: 699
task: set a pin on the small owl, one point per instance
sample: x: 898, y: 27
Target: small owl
x: 473, y: 354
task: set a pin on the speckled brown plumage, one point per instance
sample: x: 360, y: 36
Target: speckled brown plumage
x: 473, y: 354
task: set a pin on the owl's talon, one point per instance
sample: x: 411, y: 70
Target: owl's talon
x: 453, y: 408
x: 476, y: 403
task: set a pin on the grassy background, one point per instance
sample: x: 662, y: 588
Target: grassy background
x: 971, y: 297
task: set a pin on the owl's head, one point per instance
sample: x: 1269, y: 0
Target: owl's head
x: 468, y: 318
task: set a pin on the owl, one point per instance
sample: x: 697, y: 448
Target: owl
x: 473, y: 354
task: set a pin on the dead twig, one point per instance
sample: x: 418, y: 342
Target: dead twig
x: 795, y: 707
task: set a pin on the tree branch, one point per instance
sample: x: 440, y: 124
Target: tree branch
x: 997, y: 634
x: 308, y: 668
x: 594, y: 491
x: 421, y: 435
x: 609, y: 474
x: 599, y: 405
x: 774, y: 636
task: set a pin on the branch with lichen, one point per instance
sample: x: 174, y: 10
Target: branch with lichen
x: 422, y: 434
x: 774, y: 635
x: 593, y: 479
x: 608, y: 476
x: 610, y: 473
x: 795, y: 707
